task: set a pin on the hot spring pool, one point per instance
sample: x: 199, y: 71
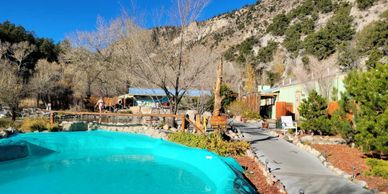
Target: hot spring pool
x: 111, y: 162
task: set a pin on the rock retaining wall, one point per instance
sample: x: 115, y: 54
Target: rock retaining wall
x: 118, y: 127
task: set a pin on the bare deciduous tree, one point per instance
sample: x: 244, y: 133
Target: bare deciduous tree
x: 45, y: 79
x: 92, y: 62
x: 164, y: 57
x: 11, y: 87
x: 20, y: 52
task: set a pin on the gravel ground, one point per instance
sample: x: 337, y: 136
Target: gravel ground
x: 345, y: 157
x: 255, y: 175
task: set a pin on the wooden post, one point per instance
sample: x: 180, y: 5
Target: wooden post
x: 217, y: 90
x: 51, y: 118
x: 198, y: 122
x: 183, y: 122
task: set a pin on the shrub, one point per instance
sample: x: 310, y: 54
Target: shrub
x: 265, y: 54
x: 305, y: 60
x: 347, y: 57
x: 372, y: 36
x: 374, y: 58
x: 213, y: 142
x: 340, y: 125
x: 292, y: 40
x: 301, y: 11
x: 238, y: 108
x: 251, y: 115
x: 364, y: 4
x: 247, y: 45
x: 377, y: 167
x: 228, y: 97
x: 319, y: 44
x: 370, y: 92
x: 279, y: 25
x: 307, y: 26
x: 37, y: 124
x: 313, y: 111
x: 229, y: 54
x: 324, y: 6
x: 337, y: 30
x: 4, y: 123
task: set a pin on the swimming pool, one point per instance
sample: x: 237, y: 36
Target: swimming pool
x: 112, y: 162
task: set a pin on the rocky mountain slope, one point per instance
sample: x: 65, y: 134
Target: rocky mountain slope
x: 277, y: 38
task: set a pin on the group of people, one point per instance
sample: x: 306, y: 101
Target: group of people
x: 101, y: 105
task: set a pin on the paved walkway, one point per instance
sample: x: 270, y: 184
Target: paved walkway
x: 298, y: 170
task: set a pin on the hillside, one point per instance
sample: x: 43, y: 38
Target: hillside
x: 284, y: 39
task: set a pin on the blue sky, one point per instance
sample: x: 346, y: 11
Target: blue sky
x: 57, y: 18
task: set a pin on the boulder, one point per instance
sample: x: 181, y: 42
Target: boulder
x: 166, y: 127
x: 74, y: 126
x: 3, y: 134
x: 191, y: 114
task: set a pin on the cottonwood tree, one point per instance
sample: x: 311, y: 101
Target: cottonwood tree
x: 11, y: 87
x: 20, y: 51
x: 92, y: 62
x: 45, y: 79
x: 164, y: 57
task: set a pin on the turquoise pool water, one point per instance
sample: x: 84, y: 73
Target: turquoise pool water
x: 110, y: 162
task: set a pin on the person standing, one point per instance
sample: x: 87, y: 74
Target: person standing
x: 100, y: 104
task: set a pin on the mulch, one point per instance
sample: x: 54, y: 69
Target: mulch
x: 345, y: 158
x: 256, y: 176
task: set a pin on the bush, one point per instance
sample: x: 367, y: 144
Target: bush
x: 37, y: 124
x: 279, y: 25
x: 340, y: 125
x: 377, y: 167
x: 305, y: 60
x: 347, y: 57
x: 265, y: 54
x: 228, y: 97
x: 374, y: 58
x: 370, y: 92
x: 252, y: 115
x: 313, y: 111
x: 324, y: 6
x: 4, y: 123
x: 364, y: 4
x: 319, y: 44
x: 337, y: 30
x: 213, y: 142
x: 292, y: 41
x: 372, y: 36
x: 240, y: 108
x: 301, y: 11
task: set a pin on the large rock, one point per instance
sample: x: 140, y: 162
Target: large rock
x: 74, y: 126
x: 191, y: 114
x: 4, y: 133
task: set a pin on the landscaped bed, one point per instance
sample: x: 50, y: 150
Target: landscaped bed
x: 256, y: 176
x: 345, y: 158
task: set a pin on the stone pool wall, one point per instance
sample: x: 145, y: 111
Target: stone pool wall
x: 118, y: 127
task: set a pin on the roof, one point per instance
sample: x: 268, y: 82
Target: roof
x: 160, y: 92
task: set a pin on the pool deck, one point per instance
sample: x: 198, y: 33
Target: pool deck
x: 298, y: 170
